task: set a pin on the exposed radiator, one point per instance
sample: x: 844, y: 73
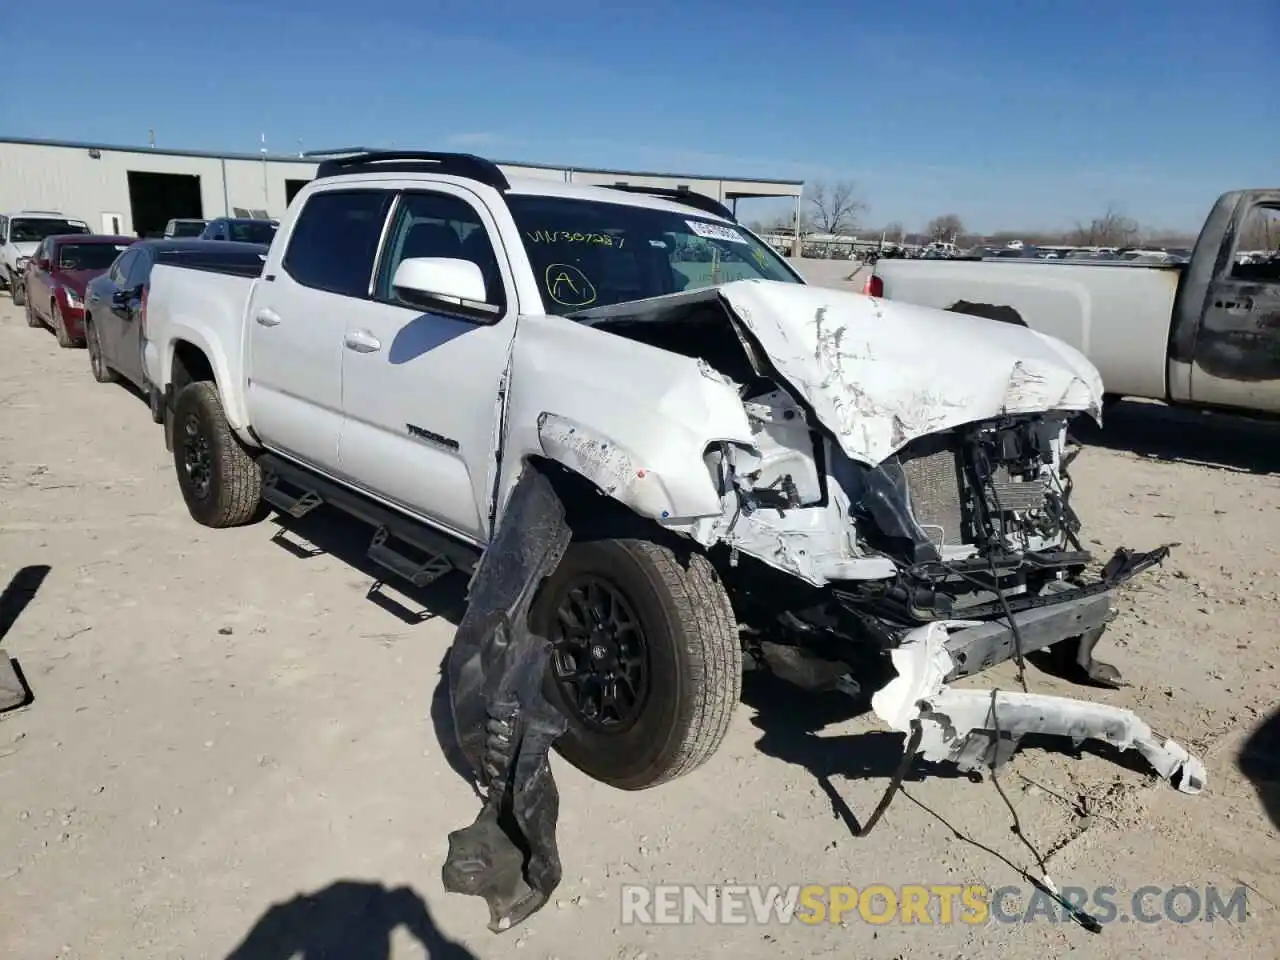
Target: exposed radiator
x: 1008, y: 495
x: 933, y: 471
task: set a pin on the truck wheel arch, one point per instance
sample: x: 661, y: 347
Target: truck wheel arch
x: 189, y: 361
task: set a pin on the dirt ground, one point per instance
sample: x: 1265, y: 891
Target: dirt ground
x: 233, y: 748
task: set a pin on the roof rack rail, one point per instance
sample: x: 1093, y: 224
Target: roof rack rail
x: 416, y: 161
x: 698, y: 201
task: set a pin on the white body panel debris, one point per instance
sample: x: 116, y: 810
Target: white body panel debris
x: 880, y: 374
x: 960, y: 725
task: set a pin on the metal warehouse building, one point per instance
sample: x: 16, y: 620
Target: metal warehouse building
x: 137, y: 190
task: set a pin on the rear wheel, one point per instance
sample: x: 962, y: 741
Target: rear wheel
x: 220, y: 482
x: 646, y: 662
x: 101, y: 372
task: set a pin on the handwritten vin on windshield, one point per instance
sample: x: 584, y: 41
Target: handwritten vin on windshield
x: 574, y: 236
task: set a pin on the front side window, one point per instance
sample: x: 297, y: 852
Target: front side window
x: 88, y: 256
x: 335, y: 239
x: 586, y: 253
x: 439, y: 225
x: 32, y: 230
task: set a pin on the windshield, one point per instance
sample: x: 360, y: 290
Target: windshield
x: 591, y: 254
x: 250, y: 232
x: 36, y: 229
x: 88, y: 256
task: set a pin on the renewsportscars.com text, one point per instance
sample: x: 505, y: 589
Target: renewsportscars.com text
x: 923, y: 904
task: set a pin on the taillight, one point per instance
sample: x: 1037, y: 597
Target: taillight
x: 874, y: 287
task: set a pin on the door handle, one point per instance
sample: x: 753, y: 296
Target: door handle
x: 267, y: 318
x: 362, y: 341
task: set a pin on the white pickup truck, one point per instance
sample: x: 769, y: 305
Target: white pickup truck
x: 1204, y: 334
x: 752, y: 467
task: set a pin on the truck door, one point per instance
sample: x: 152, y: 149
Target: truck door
x: 420, y: 390
x: 296, y: 319
x: 1236, y: 362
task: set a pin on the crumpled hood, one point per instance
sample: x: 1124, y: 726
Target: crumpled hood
x: 880, y: 374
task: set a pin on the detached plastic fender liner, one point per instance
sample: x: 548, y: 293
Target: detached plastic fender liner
x: 505, y: 726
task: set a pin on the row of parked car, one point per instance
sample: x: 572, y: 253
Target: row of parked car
x: 91, y: 289
x: 22, y: 232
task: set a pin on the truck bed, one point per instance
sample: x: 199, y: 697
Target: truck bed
x: 1113, y: 313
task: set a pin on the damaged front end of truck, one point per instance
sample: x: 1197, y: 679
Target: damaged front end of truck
x: 861, y: 474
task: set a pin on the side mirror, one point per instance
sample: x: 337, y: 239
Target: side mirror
x: 443, y: 284
x: 121, y: 298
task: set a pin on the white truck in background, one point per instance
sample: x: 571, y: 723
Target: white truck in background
x: 1202, y: 334
x: 754, y: 469
x: 20, y: 233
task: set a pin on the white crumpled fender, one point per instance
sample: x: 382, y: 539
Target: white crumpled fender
x: 880, y: 374
x: 633, y: 419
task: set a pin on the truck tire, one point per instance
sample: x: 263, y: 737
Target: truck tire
x: 666, y: 635
x: 220, y: 481
x: 16, y: 291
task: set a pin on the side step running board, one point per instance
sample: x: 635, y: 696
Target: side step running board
x: 419, y: 573
x: 295, y: 506
x: 401, y: 545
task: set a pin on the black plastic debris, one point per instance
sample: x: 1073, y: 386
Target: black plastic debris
x: 505, y: 726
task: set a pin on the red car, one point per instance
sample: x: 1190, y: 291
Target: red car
x: 56, y: 277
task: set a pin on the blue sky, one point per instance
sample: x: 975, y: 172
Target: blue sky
x: 1012, y: 114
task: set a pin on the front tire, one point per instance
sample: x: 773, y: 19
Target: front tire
x: 646, y: 661
x: 17, y: 291
x: 220, y: 482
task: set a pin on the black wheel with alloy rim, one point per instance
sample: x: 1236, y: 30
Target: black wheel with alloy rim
x: 197, y: 460
x: 599, y: 657
x: 221, y: 483
x: 645, y: 663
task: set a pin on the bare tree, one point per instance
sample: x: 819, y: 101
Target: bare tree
x: 949, y: 226
x: 835, y: 208
x: 1112, y: 229
x: 894, y: 231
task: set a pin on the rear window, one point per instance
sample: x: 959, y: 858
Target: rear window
x: 249, y: 232
x: 187, y: 228
x: 88, y: 256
